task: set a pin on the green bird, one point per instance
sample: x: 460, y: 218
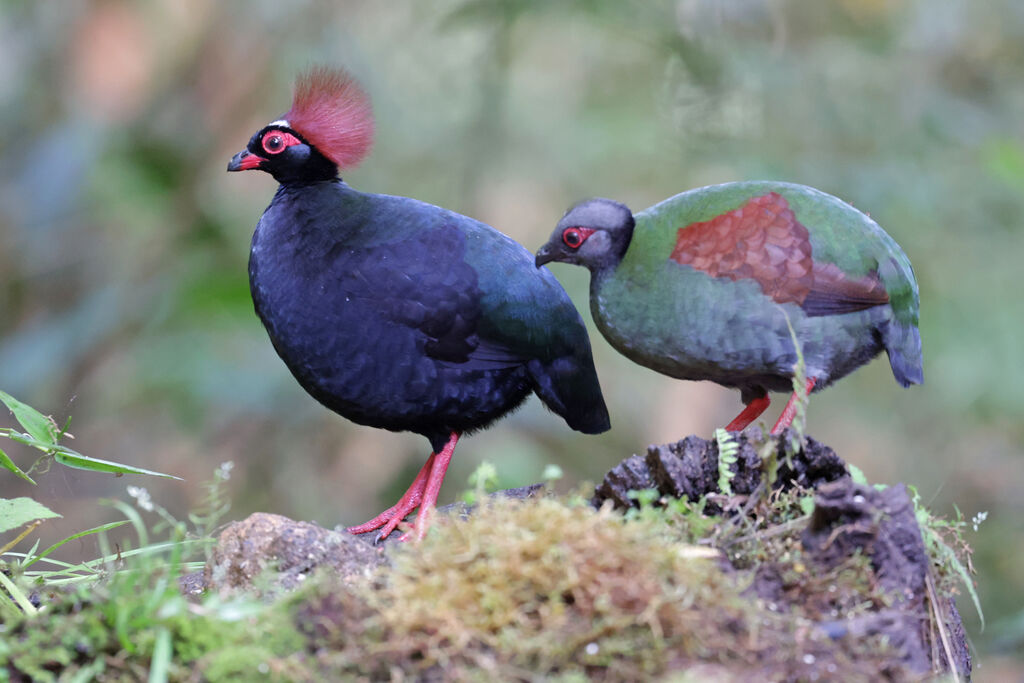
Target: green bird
x: 717, y: 284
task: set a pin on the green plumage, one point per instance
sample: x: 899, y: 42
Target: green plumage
x: 687, y: 322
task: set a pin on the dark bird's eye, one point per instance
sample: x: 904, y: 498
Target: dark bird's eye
x: 572, y: 237
x: 273, y: 143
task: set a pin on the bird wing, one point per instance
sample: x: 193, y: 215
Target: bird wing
x: 478, y: 302
x: 421, y: 281
x: 762, y: 240
x: 525, y: 312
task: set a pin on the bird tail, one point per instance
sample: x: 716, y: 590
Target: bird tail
x: 569, y: 386
x: 903, y: 344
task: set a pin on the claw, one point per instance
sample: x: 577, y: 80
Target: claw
x: 422, y: 494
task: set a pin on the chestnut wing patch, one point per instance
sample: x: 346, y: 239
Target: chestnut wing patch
x: 763, y: 241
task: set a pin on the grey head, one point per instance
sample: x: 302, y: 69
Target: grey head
x: 594, y: 233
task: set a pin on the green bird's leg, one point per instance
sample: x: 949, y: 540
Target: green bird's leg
x: 749, y: 414
x: 789, y: 412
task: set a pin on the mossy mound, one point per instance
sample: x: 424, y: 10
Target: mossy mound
x: 785, y: 585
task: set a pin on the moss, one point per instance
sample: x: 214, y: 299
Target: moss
x: 550, y: 589
x: 542, y: 586
x: 520, y: 590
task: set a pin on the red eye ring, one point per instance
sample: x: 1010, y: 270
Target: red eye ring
x: 276, y: 141
x: 574, y: 237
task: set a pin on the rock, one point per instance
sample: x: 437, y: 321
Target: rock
x: 192, y: 585
x: 283, y: 552
x: 286, y: 551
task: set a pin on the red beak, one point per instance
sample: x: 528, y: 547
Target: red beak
x: 245, y: 160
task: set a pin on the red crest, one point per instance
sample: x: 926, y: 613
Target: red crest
x: 331, y: 110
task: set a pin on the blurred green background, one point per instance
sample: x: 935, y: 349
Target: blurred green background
x: 123, y: 243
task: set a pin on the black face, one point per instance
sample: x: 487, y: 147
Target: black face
x: 284, y: 154
x: 595, y: 233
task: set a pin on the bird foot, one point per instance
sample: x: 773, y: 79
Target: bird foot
x: 410, y: 500
x: 421, y: 494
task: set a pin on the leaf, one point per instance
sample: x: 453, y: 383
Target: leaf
x: 806, y: 504
x: 35, y: 423
x: 29, y: 440
x: 74, y: 459
x: 857, y: 474
x: 17, y: 512
x: 7, y: 463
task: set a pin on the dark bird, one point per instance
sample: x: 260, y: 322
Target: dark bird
x: 395, y: 313
x: 705, y: 286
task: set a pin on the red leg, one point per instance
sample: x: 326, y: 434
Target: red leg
x: 748, y: 414
x: 433, y: 488
x: 789, y: 412
x: 406, y: 504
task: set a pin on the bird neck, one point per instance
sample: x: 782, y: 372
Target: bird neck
x: 309, y: 208
x: 315, y: 169
x: 605, y: 264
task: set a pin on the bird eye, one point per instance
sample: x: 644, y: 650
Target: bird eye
x: 273, y: 143
x: 572, y: 237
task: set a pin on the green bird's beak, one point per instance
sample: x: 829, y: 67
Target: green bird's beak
x: 545, y: 254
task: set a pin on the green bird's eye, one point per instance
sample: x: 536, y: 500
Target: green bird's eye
x: 574, y: 237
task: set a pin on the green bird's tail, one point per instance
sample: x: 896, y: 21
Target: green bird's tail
x: 903, y: 344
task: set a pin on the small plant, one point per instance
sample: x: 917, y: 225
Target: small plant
x: 944, y: 540
x: 799, y: 423
x: 41, y: 433
x: 727, y: 451
x: 483, y: 480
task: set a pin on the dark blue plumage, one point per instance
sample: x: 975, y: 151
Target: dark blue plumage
x: 375, y: 305
x: 405, y: 316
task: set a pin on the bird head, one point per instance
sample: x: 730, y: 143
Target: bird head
x: 329, y: 126
x: 594, y: 233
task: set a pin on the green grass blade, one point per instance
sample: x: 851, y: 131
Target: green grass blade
x: 35, y: 423
x: 8, y: 464
x: 91, y: 565
x: 16, y: 594
x: 161, y: 662
x: 134, y: 517
x: 70, y: 458
x: 68, y: 579
x: 965, y: 577
x: 80, y: 534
